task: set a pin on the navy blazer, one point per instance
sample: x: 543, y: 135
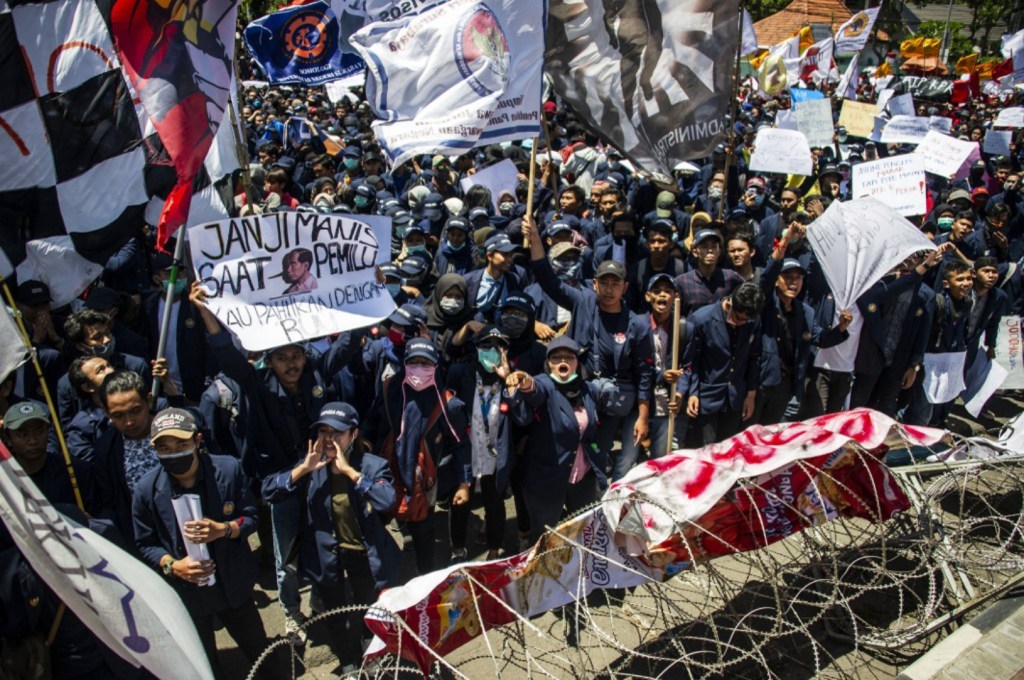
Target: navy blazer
x: 371, y: 500
x: 515, y: 281
x: 196, y: 362
x: 70, y: 401
x: 461, y: 386
x: 554, y: 438
x: 715, y: 371
x: 911, y: 346
x: 226, y: 497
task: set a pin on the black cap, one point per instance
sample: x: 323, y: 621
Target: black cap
x: 611, y: 268
x: 478, y: 213
x: 415, y: 265
x: 491, y: 334
x: 423, y: 348
x: 32, y: 292
x: 457, y: 223
x: 791, y: 263
x: 173, y: 422
x: 563, y: 342
x: 408, y: 315
x: 660, y: 276
x: 337, y: 415
x: 518, y: 301
x: 500, y: 243
x: 103, y: 299
x: 704, y: 234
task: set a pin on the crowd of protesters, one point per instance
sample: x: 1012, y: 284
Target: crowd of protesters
x: 529, y: 356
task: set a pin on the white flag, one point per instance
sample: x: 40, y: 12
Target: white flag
x: 854, y: 34
x: 460, y: 75
x: 848, y: 85
x: 13, y: 352
x: 1010, y: 44
x: 124, y: 602
x: 749, y: 38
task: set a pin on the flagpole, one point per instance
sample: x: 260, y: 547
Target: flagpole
x: 675, y: 367
x: 729, y: 150
x: 46, y: 395
x: 165, y: 322
x: 551, y: 165
x: 529, y: 190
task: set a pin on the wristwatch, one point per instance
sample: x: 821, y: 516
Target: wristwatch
x: 167, y: 567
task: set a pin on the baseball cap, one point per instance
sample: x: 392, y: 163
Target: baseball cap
x: 560, y: 249
x: 19, y: 414
x: 660, y: 276
x: 706, y: 234
x: 414, y: 229
x: 421, y: 347
x: 415, y: 266
x: 665, y: 203
x: 172, y: 422
x: 756, y: 182
x: 518, y: 301
x: 563, y: 342
x: 337, y: 415
x: 491, y: 334
x: 664, y: 226
x: 408, y: 315
x: 500, y: 243
x: 439, y: 160
x: 791, y: 263
x: 979, y: 191
x: 457, y: 223
x: 478, y: 213
x: 959, y: 195
x: 611, y: 268
x: 390, y: 269
x: 558, y: 227
x: 352, y: 152
x: 32, y: 292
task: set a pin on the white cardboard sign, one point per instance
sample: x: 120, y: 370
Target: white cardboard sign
x: 897, y: 181
x: 781, y: 151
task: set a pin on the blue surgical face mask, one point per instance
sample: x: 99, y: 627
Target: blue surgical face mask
x: 456, y: 249
x: 393, y: 289
x: 361, y: 201
x: 416, y: 250
x: 758, y: 200
x: 351, y: 163
x: 179, y: 286
x: 945, y: 223
x: 489, y: 358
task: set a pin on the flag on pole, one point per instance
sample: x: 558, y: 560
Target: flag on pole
x: 456, y: 76
x: 179, y: 58
x: 749, y: 37
x: 806, y: 36
x: 920, y: 48
x: 1010, y: 44
x: 968, y: 64
x: 13, y: 352
x: 848, y: 83
x: 122, y: 601
x: 853, y: 35
x: 653, y: 78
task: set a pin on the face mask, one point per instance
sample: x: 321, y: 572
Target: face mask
x: 514, y: 326
x: 568, y: 380
x: 758, y: 200
x: 361, y: 201
x: 945, y: 223
x: 506, y: 208
x: 419, y: 377
x: 456, y: 249
x: 845, y: 175
x: 1007, y: 186
x: 396, y: 336
x: 842, y: 139
x: 179, y: 286
x: 351, y: 163
x: 715, y: 193
x: 393, y: 289
x: 488, y: 358
x: 178, y: 463
x: 452, y: 305
x: 416, y: 250
x: 565, y: 270
x: 105, y: 350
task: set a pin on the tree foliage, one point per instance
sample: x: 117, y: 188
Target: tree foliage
x: 960, y: 45
x: 759, y: 9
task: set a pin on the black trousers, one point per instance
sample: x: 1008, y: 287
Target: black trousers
x: 422, y: 534
x: 826, y: 392
x: 709, y: 428
x: 494, y: 516
x: 880, y: 392
x: 770, y: 406
x: 244, y: 625
x: 347, y: 633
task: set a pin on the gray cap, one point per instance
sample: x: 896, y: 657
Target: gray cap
x: 19, y: 414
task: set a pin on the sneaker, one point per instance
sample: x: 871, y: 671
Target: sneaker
x: 293, y: 628
x: 459, y: 556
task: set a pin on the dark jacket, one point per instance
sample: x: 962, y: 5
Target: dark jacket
x: 715, y: 370
x: 461, y: 387
x: 70, y: 401
x: 195, y: 360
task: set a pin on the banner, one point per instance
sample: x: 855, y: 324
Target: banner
x: 287, y: 277
x: 997, y: 142
x: 925, y: 87
x: 460, y: 75
x: 801, y: 94
x: 940, y: 124
x: 944, y: 155
x: 847, y: 87
x: 646, y: 530
x: 389, y: 10
x: 943, y: 376
x: 13, y: 352
x: 1010, y: 353
x: 901, y: 105
x: 853, y: 35
x: 983, y: 378
x: 1012, y: 116
x: 904, y: 129
x: 654, y: 78
x: 498, y: 177
x: 302, y: 44
x: 781, y: 151
x: 124, y: 602
x: 858, y: 242
x: 814, y: 120
x: 897, y: 181
x: 858, y: 118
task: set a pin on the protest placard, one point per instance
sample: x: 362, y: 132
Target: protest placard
x: 1009, y: 352
x: 858, y: 242
x: 940, y: 124
x: 884, y: 96
x: 1010, y: 117
x: 497, y: 177
x: 286, y: 277
x: 943, y: 376
x: 814, y: 119
x: 782, y: 151
x: 786, y: 120
x: 800, y: 94
x: 901, y: 105
x: 858, y: 117
x: 982, y: 380
x: 904, y: 130
x: 943, y: 155
x: 897, y: 181
x: 997, y: 142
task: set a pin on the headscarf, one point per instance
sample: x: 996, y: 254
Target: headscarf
x: 437, y: 319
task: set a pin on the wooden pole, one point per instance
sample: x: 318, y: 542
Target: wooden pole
x: 730, y: 140
x: 552, y: 171
x: 675, y: 367
x: 529, y: 190
x: 46, y: 395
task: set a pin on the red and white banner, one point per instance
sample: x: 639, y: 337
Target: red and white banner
x: 802, y: 474
x: 124, y: 602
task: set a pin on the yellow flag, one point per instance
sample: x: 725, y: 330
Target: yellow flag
x: 930, y: 47
x: 985, y: 70
x: 806, y: 39
x: 911, y: 48
x: 758, y: 59
x: 883, y: 70
x: 967, y: 64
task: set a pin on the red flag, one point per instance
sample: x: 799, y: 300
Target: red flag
x: 178, y: 57
x: 961, y: 92
x: 975, y: 82
x: 1004, y: 69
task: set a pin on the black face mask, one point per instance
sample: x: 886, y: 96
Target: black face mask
x: 178, y: 463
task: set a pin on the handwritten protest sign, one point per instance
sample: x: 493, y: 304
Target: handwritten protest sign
x: 858, y: 117
x: 287, y: 277
x: 901, y: 105
x: 904, y: 129
x: 1009, y: 352
x: 814, y: 119
x: 857, y: 242
x: 782, y: 151
x: 897, y: 181
x: 497, y: 177
x: 786, y: 120
x: 998, y: 142
x: 940, y: 124
x: 1010, y: 117
x: 942, y: 154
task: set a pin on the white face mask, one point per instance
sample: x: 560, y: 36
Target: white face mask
x: 452, y: 305
x: 714, y: 192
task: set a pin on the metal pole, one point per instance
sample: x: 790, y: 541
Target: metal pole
x: 944, y: 48
x: 729, y: 150
x: 165, y: 322
x: 529, y: 190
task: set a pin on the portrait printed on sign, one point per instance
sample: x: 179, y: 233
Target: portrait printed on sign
x: 296, y: 268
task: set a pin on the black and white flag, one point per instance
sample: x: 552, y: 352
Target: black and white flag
x: 654, y: 77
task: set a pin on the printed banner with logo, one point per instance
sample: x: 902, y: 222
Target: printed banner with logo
x: 301, y: 45
x: 286, y: 277
x: 653, y: 78
x: 647, y: 530
x: 1010, y: 352
x: 853, y: 35
x: 457, y: 76
x: 124, y: 602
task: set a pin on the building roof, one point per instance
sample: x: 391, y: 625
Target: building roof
x: 822, y: 15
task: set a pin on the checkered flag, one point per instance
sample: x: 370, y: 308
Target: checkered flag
x: 77, y: 170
